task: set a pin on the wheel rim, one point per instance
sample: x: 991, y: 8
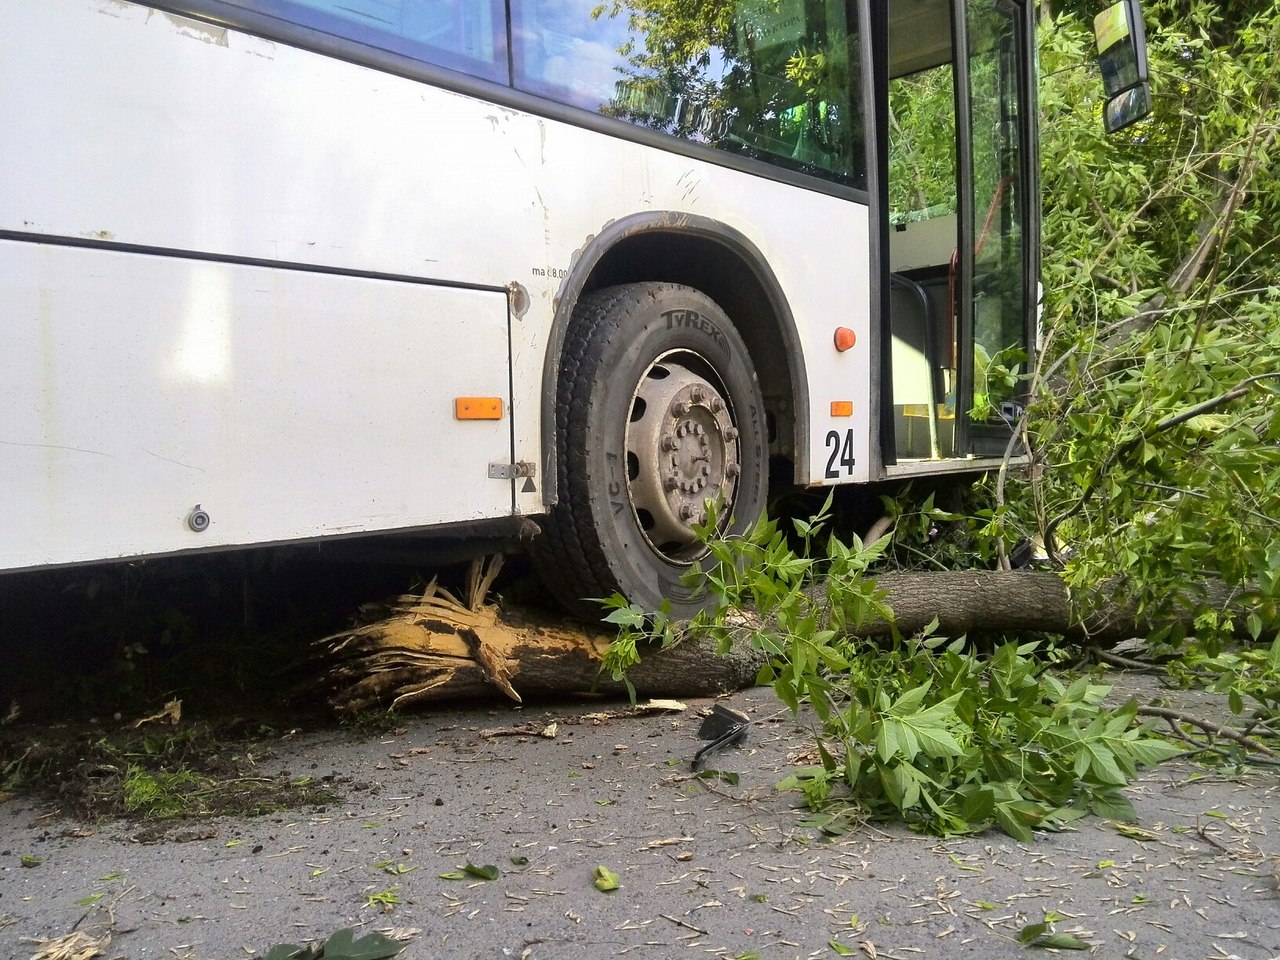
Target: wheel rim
x: 682, y: 450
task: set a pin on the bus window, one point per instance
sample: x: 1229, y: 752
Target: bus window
x: 923, y: 202
x: 776, y: 80
x: 922, y: 146
x: 470, y: 37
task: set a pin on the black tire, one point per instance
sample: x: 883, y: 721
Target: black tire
x: 658, y: 409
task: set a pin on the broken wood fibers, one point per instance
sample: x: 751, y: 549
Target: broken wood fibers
x: 431, y: 647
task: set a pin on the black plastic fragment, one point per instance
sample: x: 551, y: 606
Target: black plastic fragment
x: 722, y: 726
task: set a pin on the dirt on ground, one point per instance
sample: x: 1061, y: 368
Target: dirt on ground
x: 550, y: 799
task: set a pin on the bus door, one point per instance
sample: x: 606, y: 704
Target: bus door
x: 960, y: 253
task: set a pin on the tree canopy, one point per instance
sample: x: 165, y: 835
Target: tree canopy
x: 1156, y: 425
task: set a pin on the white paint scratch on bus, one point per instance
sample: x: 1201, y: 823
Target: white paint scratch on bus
x: 204, y: 32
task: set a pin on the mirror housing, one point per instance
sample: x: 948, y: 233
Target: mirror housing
x: 1122, y: 57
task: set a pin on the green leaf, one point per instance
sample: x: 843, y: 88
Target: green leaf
x: 1112, y: 805
x: 1009, y: 820
x: 1148, y: 751
x: 289, y: 951
x: 1060, y: 941
x: 374, y: 946
x: 606, y: 880
x: 1031, y: 931
x: 487, y: 872
x: 840, y: 949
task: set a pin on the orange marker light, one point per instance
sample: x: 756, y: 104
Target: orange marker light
x: 842, y: 408
x: 845, y: 339
x: 477, y: 408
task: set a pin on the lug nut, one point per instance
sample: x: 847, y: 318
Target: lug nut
x: 697, y: 394
x: 731, y: 433
x: 732, y: 470
x: 716, y: 405
x: 687, y: 512
x: 680, y: 408
x: 670, y: 484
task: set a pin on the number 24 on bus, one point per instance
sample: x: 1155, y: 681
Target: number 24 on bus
x: 282, y: 270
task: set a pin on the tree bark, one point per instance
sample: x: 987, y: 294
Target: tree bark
x: 988, y: 601
x: 432, y: 648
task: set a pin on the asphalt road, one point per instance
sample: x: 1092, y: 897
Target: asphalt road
x: 704, y: 869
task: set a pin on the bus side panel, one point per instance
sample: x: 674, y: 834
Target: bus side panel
x: 285, y: 404
x: 130, y: 126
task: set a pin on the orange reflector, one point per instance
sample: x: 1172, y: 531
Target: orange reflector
x: 477, y: 408
x: 845, y: 339
x: 842, y: 408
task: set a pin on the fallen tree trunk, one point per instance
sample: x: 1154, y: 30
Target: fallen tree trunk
x: 433, y: 648
x: 989, y: 601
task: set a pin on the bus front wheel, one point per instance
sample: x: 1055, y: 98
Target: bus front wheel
x: 658, y: 411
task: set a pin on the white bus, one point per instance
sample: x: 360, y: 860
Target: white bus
x: 280, y: 270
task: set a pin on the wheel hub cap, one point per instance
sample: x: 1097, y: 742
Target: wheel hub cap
x: 682, y: 450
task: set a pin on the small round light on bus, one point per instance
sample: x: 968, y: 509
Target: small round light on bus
x: 845, y: 339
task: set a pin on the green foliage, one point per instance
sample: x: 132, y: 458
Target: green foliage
x: 1160, y: 461
x: 926, y: 536
x: 922, y: 729
x: 340, y: 946
x: 922, y: 145
x: 1249, y: 677
x: 930, y: 733
x: 161, y: 794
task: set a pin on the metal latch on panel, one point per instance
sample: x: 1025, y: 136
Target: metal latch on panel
x: 523, y: 470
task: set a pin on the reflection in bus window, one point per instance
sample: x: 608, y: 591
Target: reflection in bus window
x: 463, y: 36
x: 922, y: 145
x: 772, y: 79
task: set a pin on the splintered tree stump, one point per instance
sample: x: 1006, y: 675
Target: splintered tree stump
x: 433, y: 648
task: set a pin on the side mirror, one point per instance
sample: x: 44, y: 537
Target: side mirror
x: 1126, y: 108
x: 1122, y: 57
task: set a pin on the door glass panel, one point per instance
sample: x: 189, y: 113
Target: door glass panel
x: 999, y: 210
x: 922, y: 146
x: 922, y: 244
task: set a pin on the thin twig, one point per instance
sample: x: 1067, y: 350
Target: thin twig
x: 1235, y: 393
x: 680, y: 923
x: 1209, y: 727
x: 1106, y: 656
